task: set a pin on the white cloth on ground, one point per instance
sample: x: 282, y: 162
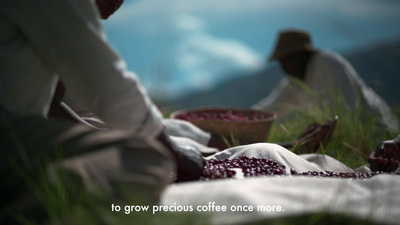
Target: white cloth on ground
x: 282, y: 156
x: 376, y: 199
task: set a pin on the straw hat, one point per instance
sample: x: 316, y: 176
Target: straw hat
x: 290, y: 41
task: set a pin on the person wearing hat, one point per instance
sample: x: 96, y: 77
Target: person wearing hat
x: 318, y: 78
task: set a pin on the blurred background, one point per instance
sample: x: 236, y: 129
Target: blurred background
x: 191, y: 53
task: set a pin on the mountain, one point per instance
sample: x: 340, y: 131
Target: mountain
x: 378, y: 65
x: 240, y: 92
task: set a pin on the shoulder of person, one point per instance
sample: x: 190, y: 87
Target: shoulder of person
x: 326, y: 57
x: 330, y: 55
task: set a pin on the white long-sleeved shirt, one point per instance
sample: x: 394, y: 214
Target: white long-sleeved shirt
x: 42, y: 41
x: 330, y: 79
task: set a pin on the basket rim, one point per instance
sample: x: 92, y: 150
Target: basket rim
x: 272, y: 115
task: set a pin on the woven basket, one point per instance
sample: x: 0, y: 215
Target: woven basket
x: 250, y: 131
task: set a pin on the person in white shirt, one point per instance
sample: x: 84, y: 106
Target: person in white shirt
x: 319, y: 78
x: 42, y: 42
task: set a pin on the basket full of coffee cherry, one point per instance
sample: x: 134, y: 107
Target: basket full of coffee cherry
x: 242, y: 125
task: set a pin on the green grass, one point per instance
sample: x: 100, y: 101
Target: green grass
x: 352, y: 141
x: 355, y: 135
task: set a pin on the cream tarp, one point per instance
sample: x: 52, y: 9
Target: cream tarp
x: 376, y: 199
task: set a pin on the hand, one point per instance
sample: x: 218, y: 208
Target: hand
x: 189, y: 160
x: 386, y: 156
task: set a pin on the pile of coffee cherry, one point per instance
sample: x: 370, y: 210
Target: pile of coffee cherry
x: 227, y: 116
x: 252, y: 167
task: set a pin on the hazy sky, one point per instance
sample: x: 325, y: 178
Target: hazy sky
x: 176, y: 46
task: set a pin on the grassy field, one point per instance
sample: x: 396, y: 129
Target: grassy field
x: 352, y: 141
